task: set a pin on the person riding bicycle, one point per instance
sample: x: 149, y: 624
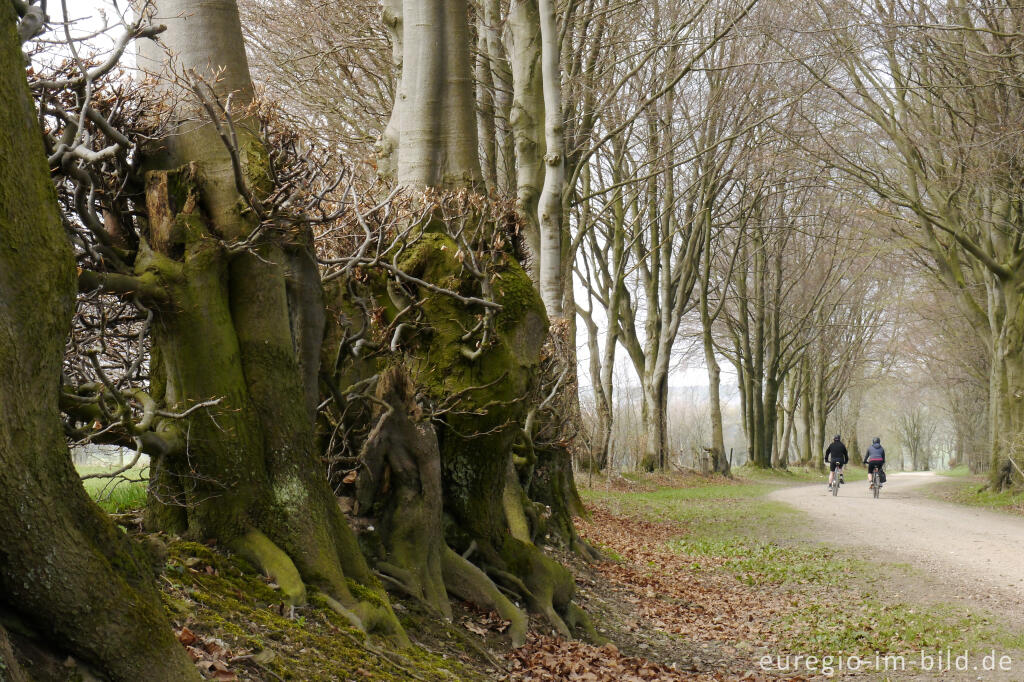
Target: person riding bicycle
x: 875, y: 459
x: 836, y: 457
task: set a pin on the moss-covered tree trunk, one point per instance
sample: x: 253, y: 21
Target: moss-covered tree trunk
x: 477, y: 361
x: 242, y: 324
x: 65, y: 571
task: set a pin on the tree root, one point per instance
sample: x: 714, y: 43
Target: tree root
x: 269, y: 558
x: 586, y: 550
x: 405, y: 583
x: 361, y: 613
x: 336, y: 606
x: 579, y: 620
x: 466, y: 581
x: 548, y: 585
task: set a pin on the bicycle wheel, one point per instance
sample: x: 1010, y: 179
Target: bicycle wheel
x: 876, y: 482
x: 835, y: 485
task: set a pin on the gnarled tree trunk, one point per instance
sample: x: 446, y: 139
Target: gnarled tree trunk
x: 65, y: 571
x: 242, y: 324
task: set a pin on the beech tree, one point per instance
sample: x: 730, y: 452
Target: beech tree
x: 467, y: 328
x: 66, y: 572
x: 949, y: 174
x: 238, y: 317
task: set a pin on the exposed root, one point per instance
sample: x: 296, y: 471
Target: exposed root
x: 466, y: 581
x: 406, y: 583
x: 380, y: 619
x: 584, y: 549
x: 345, y: 613
x: 548, y: 585
x: 580, y: 622
x: 269, y: 558
x: 360, y: 610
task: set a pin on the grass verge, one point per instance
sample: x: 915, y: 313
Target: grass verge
x: 963, y: 487
x: 840, y: 601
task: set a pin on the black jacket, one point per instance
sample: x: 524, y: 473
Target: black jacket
x: 836, y: 452
x: 875, y: 452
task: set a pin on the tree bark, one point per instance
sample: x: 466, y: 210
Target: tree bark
x: 65, y: 570
x: 527, y: 121
x: 501, y: 79
x: 244, y: 326
x: 438, y: 144
x: 549, y: 206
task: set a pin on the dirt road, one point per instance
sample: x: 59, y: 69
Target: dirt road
x: 976, y: 554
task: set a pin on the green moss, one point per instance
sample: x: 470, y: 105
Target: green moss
x: 257, y: 165
x: 366, y: 594
x: 224, y: 597
x: 517, y: 296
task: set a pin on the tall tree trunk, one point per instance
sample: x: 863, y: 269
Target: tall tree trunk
x: 501, y: 78
x: 769, y: 421
x: 789, y: 410
x: 245, y: 327
x: 1006, y: 402
x: 485, y: 109
x: 818, y: 419
x: 65, y: 570
x: 654, y: 422
x: 599, y: 442
x: 719, y: 461
x: 806, y: 456
x: 387, y: 146
x: 549, y: 206
x: 438, y: 145
x: 527, y: 121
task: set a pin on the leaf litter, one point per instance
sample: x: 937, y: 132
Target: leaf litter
x: 673, y: 616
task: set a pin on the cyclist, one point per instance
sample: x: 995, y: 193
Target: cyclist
x: 836, y: 458
x: 875, y: 459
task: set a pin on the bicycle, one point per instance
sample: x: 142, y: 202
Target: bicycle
x: 876, y: 481
x: 837, y: 481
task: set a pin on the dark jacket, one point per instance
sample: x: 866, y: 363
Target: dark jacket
x: 836, y: 452
x: 875, y: 453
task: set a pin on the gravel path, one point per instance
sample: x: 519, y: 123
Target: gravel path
x: 978, y: 555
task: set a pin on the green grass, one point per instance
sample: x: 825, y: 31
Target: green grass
x: 773, y: 564
x: 1007, y: 500
x: 116, y: 496
x: 841, y: 602
x: 715, y: 511
x: 796, y: 474
x: 963, y: 487
x: 873, y: 624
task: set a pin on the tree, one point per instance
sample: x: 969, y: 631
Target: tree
x: 916, y: 431
x: 949, y: 174
x: 66, y: 571
x: 238, y: 315
x: 651, y: 178
x: 468, y: 328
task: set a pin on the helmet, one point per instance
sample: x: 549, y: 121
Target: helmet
x: 876, y: 441
x: 836, y: 438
